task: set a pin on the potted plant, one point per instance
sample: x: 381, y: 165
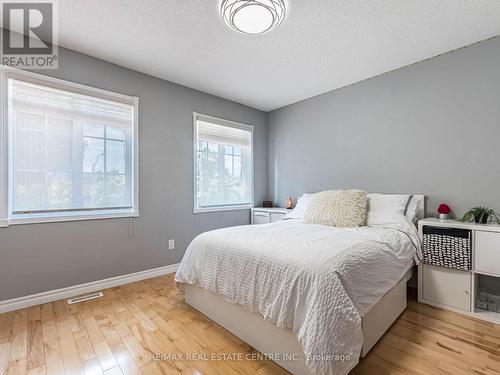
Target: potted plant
x: 480, y: 215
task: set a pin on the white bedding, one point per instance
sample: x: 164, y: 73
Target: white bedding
x: 318, y: 281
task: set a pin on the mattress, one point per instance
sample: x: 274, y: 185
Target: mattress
x: 316, y: 280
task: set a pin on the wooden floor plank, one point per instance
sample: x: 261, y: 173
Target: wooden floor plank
x: 4, y: 357
x: 69, y: 350
x: 53, y: 361
x: 18, y: 366
x: 91, y: 366
x: 124, y: 332
x: 105, y: 356
x: 36, y: 358
x: 125, y: 361
x: 37, y: 371
x: 19, y: 341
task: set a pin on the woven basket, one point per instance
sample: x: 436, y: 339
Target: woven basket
x: 447, y: 247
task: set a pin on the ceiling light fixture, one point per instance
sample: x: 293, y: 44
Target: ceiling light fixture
x: 253, y: 16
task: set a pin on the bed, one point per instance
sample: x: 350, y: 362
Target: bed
x: 312, y: 298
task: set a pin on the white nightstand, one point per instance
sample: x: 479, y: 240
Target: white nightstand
x: 449, y: 285
x: 262, y: 215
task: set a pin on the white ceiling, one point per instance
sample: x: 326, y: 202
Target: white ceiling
x: 322, y: 45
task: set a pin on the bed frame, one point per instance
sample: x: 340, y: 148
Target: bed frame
x: 267, y: 338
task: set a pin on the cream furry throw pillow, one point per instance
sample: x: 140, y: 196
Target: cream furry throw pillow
x: 337, y: 208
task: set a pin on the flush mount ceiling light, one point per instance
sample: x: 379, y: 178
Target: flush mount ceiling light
x: 253, y: 16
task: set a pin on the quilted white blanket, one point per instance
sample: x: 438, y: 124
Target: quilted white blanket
x: 316, y: 280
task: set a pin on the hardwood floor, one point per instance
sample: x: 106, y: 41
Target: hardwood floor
x: 121, y: 332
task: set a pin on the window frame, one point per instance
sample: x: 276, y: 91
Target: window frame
x: 6, y: 213
x: 233, y: 124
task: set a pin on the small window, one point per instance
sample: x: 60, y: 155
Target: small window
x: 223, y: 164
x: 71, y: 151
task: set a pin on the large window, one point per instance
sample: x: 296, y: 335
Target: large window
x: 71, y: 151
x: 223, y: 164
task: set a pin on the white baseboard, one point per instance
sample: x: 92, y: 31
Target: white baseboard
x: 72, y: 291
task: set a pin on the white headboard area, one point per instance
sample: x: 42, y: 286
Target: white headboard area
x: 420, y: 205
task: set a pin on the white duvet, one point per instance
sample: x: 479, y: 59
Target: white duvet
x: 316, y: 280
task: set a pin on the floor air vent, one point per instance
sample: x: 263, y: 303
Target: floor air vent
x: 86, y: 297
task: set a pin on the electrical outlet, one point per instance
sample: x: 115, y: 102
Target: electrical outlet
x: 171, y: 244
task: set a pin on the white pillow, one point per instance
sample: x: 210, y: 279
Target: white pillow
x: 411, y: 211
x: 299, y: 211
x: 376, y: 202
x: 337, y: 208
x: 396, y: 203
x: 384, y: 218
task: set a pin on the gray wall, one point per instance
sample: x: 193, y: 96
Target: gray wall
x: 41, y: 257
x: 431, y: 128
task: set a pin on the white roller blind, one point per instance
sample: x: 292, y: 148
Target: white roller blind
x: 211, y: 132
x: 69, y: 151
x: 70, y: 104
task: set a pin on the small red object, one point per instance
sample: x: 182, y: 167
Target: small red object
x: 444, y: 209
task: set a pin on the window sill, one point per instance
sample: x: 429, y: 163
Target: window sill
x: 221, y: 209
x: 39, y: 219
